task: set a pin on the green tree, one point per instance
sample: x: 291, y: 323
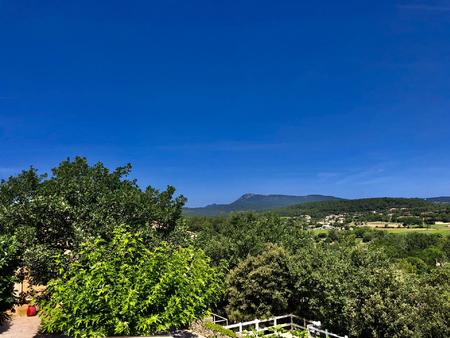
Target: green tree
x: 20, y: 188
x: 121, y: 287
x: 233, y: 238
x: 8, y: 264
x: 260, y: 286
x: 356, y: 290
x: 55, y: 213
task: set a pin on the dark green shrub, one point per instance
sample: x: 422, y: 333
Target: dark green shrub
x: 123, y: 288
x: 260, y: 286
x: 358, y: 292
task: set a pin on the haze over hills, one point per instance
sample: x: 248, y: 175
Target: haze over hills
x: 440, y: 199
x: 257, y: 202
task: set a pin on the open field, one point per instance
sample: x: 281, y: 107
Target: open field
x: 433, y: 229
x: 437, y: 228
x: 383, y: 225
x: 392, y: 227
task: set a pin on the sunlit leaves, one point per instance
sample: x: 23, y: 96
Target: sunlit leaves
x: 123, y: 287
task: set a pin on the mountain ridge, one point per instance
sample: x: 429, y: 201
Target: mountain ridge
x: 439, y: 199
x: 257, y: 202
x: 269, y: 202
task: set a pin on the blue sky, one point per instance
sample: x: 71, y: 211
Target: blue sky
x: 219, y: 98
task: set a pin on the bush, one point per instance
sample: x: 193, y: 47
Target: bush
x: 260, y: 286
x: 219, y: 329
x: 123, y: 288
x: 358, y: 292
x: 8, y: 264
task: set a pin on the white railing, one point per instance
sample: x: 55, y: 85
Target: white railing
x: 219, y: 319
x: 288, y: 322
x: 313, y: 329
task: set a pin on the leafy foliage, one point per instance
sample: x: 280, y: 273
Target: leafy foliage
x: 220, y: 330
x: 260, y: 286
x: 421, y: 251
x: 79, y: 202
x: 413, y: 251
x: 355, y: 282
x: 122, y: 288
x: 349, y: 289
x: 8, y: 251
x: 146, y: 277
x: 231, y: 239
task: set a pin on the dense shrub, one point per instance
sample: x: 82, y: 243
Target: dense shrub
x: 231, y: 239
x: 357, y: 291
x: 122, y: 287
x: 8, y: 264
x: 421, y: 250
x: 260, y: 286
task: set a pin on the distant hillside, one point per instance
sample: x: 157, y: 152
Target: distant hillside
x: 441, y: 199
x: 256, y: 202
x: 324, y: 208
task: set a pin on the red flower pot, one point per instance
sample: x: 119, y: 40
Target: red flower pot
x: 31, y: 311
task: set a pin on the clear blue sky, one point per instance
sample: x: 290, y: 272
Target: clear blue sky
x: 219, y: 98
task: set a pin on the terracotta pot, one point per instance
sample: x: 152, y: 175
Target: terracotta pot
x: 31, y: 311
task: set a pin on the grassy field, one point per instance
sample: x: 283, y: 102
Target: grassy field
x: 438, y: 228
x: 442, y: 228
x: 383, y: 224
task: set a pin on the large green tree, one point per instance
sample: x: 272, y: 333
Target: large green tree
x: 260, y: 286
x: 54, y: 213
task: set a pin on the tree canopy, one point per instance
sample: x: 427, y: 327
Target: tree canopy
x: 364, y: 283
x: 121, y: 259
x: 54, y: 213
